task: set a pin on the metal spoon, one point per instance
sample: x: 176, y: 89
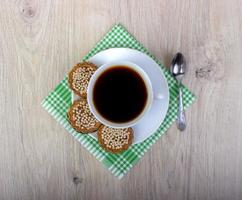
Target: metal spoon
x: 178, y: 68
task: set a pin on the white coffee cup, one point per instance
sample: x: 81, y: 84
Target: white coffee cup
x: 93, y: 80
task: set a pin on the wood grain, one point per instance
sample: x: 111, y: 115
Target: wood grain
x: 41, y: 40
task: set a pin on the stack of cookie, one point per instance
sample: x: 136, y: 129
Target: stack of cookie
x: 83, y: 121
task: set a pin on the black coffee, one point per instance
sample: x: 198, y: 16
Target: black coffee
x: 120, y: 94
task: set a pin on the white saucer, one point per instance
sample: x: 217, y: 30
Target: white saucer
x: 152, y: 119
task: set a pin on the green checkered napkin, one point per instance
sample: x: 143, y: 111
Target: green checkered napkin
x: 59, y: 100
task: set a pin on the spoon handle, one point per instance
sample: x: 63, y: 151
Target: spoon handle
x: 181, y: 118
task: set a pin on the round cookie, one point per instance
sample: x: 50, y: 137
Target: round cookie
x: 115, y: 140
x: 81, y: 118
x: 79, y: 77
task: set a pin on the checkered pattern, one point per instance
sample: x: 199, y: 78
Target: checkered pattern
x: 59, y: 100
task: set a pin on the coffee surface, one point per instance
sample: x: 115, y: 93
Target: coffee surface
x: 120, y: 94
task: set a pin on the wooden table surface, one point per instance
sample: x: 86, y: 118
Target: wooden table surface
x: 41, y: 40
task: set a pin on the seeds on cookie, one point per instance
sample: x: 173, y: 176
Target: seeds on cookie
x: 81, y: 118
x: 79, y: 77
x: 115, y: 140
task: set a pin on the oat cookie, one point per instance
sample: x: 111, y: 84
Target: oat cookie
x: 81, y: 118
x: 115, y: 140
x: 79, y: 77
